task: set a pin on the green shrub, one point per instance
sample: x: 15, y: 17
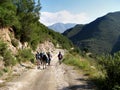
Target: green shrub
x: 5, y: 69
x: 25, y: 55
x: 116, y: 87
x: 14, y: 42
x: 9, y: 59
x: 3, y: 48
x: 111, y: 65
x: 34, y: 44
x: 1, y: 73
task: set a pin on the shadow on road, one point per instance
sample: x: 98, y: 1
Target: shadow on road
x: 26, y: 66
x: 88, y: 85
x: 79, y: 87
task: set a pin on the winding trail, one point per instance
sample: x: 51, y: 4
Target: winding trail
x: 54, y: 77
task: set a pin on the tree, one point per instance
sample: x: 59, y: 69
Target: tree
x: 8, y: 16
x: 28, y: 12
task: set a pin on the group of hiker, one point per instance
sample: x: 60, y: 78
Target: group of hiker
x: 45, y: 58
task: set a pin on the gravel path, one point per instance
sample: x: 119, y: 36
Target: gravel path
x: 54, y: 77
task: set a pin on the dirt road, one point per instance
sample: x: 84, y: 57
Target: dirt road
x: 54, y: 77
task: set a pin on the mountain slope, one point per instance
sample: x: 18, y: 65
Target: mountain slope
x: 73, y: 31
x: 60, y: 27
x: 99, y: 36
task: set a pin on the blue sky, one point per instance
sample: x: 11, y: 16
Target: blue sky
x: 76, y: 11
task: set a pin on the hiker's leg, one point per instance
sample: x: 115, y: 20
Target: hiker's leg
x: 49, y: 61
x: 43, y: 65
x: 38, y: 64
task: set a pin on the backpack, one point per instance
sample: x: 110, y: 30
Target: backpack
x: 37, y: 55
x: 45, y: 58
x: 41, y: 55
x: 60, y: 56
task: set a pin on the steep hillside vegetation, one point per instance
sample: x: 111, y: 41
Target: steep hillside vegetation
x: 21, y: 33
x: 23, y: 17
x: 99, y: 36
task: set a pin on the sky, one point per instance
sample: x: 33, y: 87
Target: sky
x: 75, y: 11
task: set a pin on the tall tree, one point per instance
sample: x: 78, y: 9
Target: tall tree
x: 28, y: 12
x: 8, y: 14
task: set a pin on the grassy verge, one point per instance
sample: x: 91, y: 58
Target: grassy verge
x: 87, y: 65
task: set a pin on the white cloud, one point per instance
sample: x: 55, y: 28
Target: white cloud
x: 49, y: 18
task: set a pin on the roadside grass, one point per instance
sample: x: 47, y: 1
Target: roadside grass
x: 5, y: 75
x: 88, y: 66
x: 2, y: 84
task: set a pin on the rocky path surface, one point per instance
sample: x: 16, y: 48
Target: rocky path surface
x: 54, y: 77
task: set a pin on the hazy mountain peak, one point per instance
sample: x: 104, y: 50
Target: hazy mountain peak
x: 61, y: 27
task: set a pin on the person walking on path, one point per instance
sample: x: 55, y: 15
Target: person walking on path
x: 44, y: 60
x: 60, y: 56
x: 49, y: 58
x: 38, y: 59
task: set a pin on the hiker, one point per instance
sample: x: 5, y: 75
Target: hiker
x: 38, y: 59
x: 44, y: 60
x: 60, y: 56
x: 41, y: 56
x: 49, y: 58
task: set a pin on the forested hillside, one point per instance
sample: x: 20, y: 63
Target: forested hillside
x: 99, y: 36
x: 73, y: 31
x: 23, y: 17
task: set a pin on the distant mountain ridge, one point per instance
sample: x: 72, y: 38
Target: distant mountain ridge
x: 61, y: 27
x: 100, y: 36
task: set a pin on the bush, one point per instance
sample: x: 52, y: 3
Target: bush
x: 116, y: 87
x: 34, y: 44
x: 3, y: 48
x: 25, y: 55
x: 1, y: 73
x: 111, y: 65
x: 6, y: 70
x: 14, y: 42
x: 9, y: 59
